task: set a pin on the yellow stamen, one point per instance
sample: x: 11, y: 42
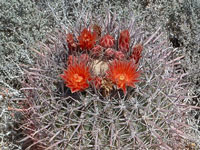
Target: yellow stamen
x: 121, y: 77
x: 77, y: 78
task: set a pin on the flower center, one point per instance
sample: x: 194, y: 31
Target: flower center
x: 77, y: 78
x: 121, y: 77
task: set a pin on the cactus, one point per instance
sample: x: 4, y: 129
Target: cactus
x: 151, y: 113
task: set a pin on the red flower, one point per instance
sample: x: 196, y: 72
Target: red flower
x: 70, y: 41
x: 124, y: 41
x: 109, y: 52
x: 107, y: 41
x: 136, y: 55
x: 97, y: 50
x: 77, y: 76
x: 123, y: 74
x: 87, y: 39
x: 119, y: 55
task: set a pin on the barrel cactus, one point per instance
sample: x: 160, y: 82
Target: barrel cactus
x: 105, y: 84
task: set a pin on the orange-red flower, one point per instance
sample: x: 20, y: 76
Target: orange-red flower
x: 77, y: 76
x: 87, y: 39
x: 124, y: 41
x: 137, y: 50
x: 123, y: 73
x: 107, y: 41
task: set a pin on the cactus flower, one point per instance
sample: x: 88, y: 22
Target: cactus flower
x: 97, y: 50
x: 123, y: 73
x: 70, y: 41
x: 109, y: 52
x: 87, y: 39
x: 107, y: 41
x: 137, y: 50
x: 119, y: 55
x: 77, y: 76
x: 124, y: 41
